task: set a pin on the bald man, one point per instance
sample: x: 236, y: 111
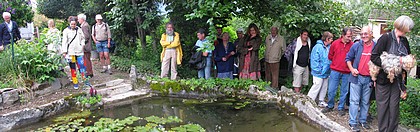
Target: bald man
x: 357, y: 60
x: 276, y: 46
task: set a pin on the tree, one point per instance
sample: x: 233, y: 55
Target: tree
x: 143, y: 13
x: 60, y: 9
x: 20, y: 10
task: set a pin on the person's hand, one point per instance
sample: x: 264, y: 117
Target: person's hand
x: 224, y: 59
x: 403, y: 95
x: 1, y: 48
x: 232, y: 53
x: 109, y: 44
x: 64, y: 54
x: 250, y: 49
x: 205, y: 53
x: 354, y: 72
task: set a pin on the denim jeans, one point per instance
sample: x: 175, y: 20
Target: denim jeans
x: 333, y: 83
x: 359, y: 97
x: 206, y: 71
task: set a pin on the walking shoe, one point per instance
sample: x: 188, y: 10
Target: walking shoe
x: 341, y: 112
x: 110, y: 71
x: 326, y: 110
x: 105, y: 70
x: 76, y: 86
x: 354, y: 128
x: 322, y: 104
x: 365, y: 125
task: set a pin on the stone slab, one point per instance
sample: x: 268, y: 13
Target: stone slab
x: 125, y: 96
x: 122, y: 88
x: 54, y: 87
x: 114, y: 82
x: 10, y: 97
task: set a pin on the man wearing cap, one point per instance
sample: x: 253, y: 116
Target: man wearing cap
x: 81, y: 18
x: 101, y: 35
x: 8, y: 28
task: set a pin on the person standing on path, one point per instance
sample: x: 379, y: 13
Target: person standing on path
x: 300, y: 62
x: 171, y: 55
x: 275, y: 48
x: 320, y: 66
x: 8, y: 29
x: 101, y: 35
x: 339, y: 71
x: 357, y: 60
x: 88, y: 43
x: 387, y: 93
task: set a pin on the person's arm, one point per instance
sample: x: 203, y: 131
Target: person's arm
x: 93, y: 34
x: 378, y: 49
x: 350, y: 58
x: 64, y: 43
x: 217, y: 56
x: 86, y: 32
x: 316, y: 60
x: 256, y: 43
x: 82, y: 37
x: 163, y: 41
x: 331, y: 52
x: 175, y: 43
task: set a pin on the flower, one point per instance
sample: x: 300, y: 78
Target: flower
x: 13, y: 11
x: 8, y: 9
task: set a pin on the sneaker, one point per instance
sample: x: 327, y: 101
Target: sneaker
x: 341, y: 112
x: 105, y: 70
x: 76, y: 86
x: 326, y: 110
x: 354, y: 128
x: 110, y: 71
x: 322, y: 104
x: 365, y: 125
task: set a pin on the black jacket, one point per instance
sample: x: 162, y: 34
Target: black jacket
x: 384, y: 44
x: 5, y: 34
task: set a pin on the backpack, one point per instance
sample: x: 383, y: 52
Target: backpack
x: 197, y: 61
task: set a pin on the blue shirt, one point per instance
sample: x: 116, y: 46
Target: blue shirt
x: 200, y: 43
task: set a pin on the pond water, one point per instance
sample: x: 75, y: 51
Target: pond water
x: 225, y: 115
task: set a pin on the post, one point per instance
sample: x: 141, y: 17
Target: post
x: 13, y: 50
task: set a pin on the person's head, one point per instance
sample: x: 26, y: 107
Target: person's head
x: 252, y: 30
x: 304, y: 34
x: 225, y: 37
x: 7, y: 16
x: 169, y: 28
x: 98, y: 19
x: 81, y: 18
x: 73, y: 22
x: 240, y: 33
x: 274, y: 31
x: 404, y: 24
x: 346, y: 34
x: 327, y: 37
x: 219, y: 30
x: 366, y: 34
x: 51, y: 24
x: 201, y: 35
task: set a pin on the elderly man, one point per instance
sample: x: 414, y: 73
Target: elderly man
x: 88, y: 43
x: 357, y: 60
x: 8, y: 30
x: 101, y: 35
x: 276, y: 46
x: 339, y: 70
x: 171, y: 51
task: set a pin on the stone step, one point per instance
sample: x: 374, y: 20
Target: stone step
x: 125, y: 96
x: 110, y: 83
x: 122, y: 88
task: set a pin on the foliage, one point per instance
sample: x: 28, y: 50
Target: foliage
x: 20, y: 10
x: 89, y: 100
x: 404, y: 7
x: 155, y: 124
x: 71, y: 117
x: 32, y: 62
x: 205, y: 85
x: 409, y: 108
x: 59, y: 9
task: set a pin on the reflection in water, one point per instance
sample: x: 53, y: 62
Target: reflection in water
x: 217, y: 116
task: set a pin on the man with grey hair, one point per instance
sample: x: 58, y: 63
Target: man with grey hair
x: 81, y: 18
x: 8, y: 30
x: 171, y: 52
x: 275, y: 48
x: 357, y: 60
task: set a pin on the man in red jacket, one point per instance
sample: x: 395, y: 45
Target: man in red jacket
x: 339, y: 70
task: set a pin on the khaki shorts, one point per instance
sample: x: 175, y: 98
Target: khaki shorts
x: 300, y: 76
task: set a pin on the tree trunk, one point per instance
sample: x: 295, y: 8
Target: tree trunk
x: 140, y: 32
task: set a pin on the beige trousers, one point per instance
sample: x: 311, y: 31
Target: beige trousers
x: 300, y: 76
x: 169, y: 59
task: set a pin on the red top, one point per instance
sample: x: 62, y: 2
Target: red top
x: 363, y: 67
x: 337, y: 55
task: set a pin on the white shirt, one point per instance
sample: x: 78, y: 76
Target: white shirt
x: 9, y: 25
x: 273, y: 39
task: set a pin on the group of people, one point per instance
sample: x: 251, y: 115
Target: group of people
x: 334, y: 64
x: 75, y: 44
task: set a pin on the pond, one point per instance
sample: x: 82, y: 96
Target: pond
x: 228, y: 115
